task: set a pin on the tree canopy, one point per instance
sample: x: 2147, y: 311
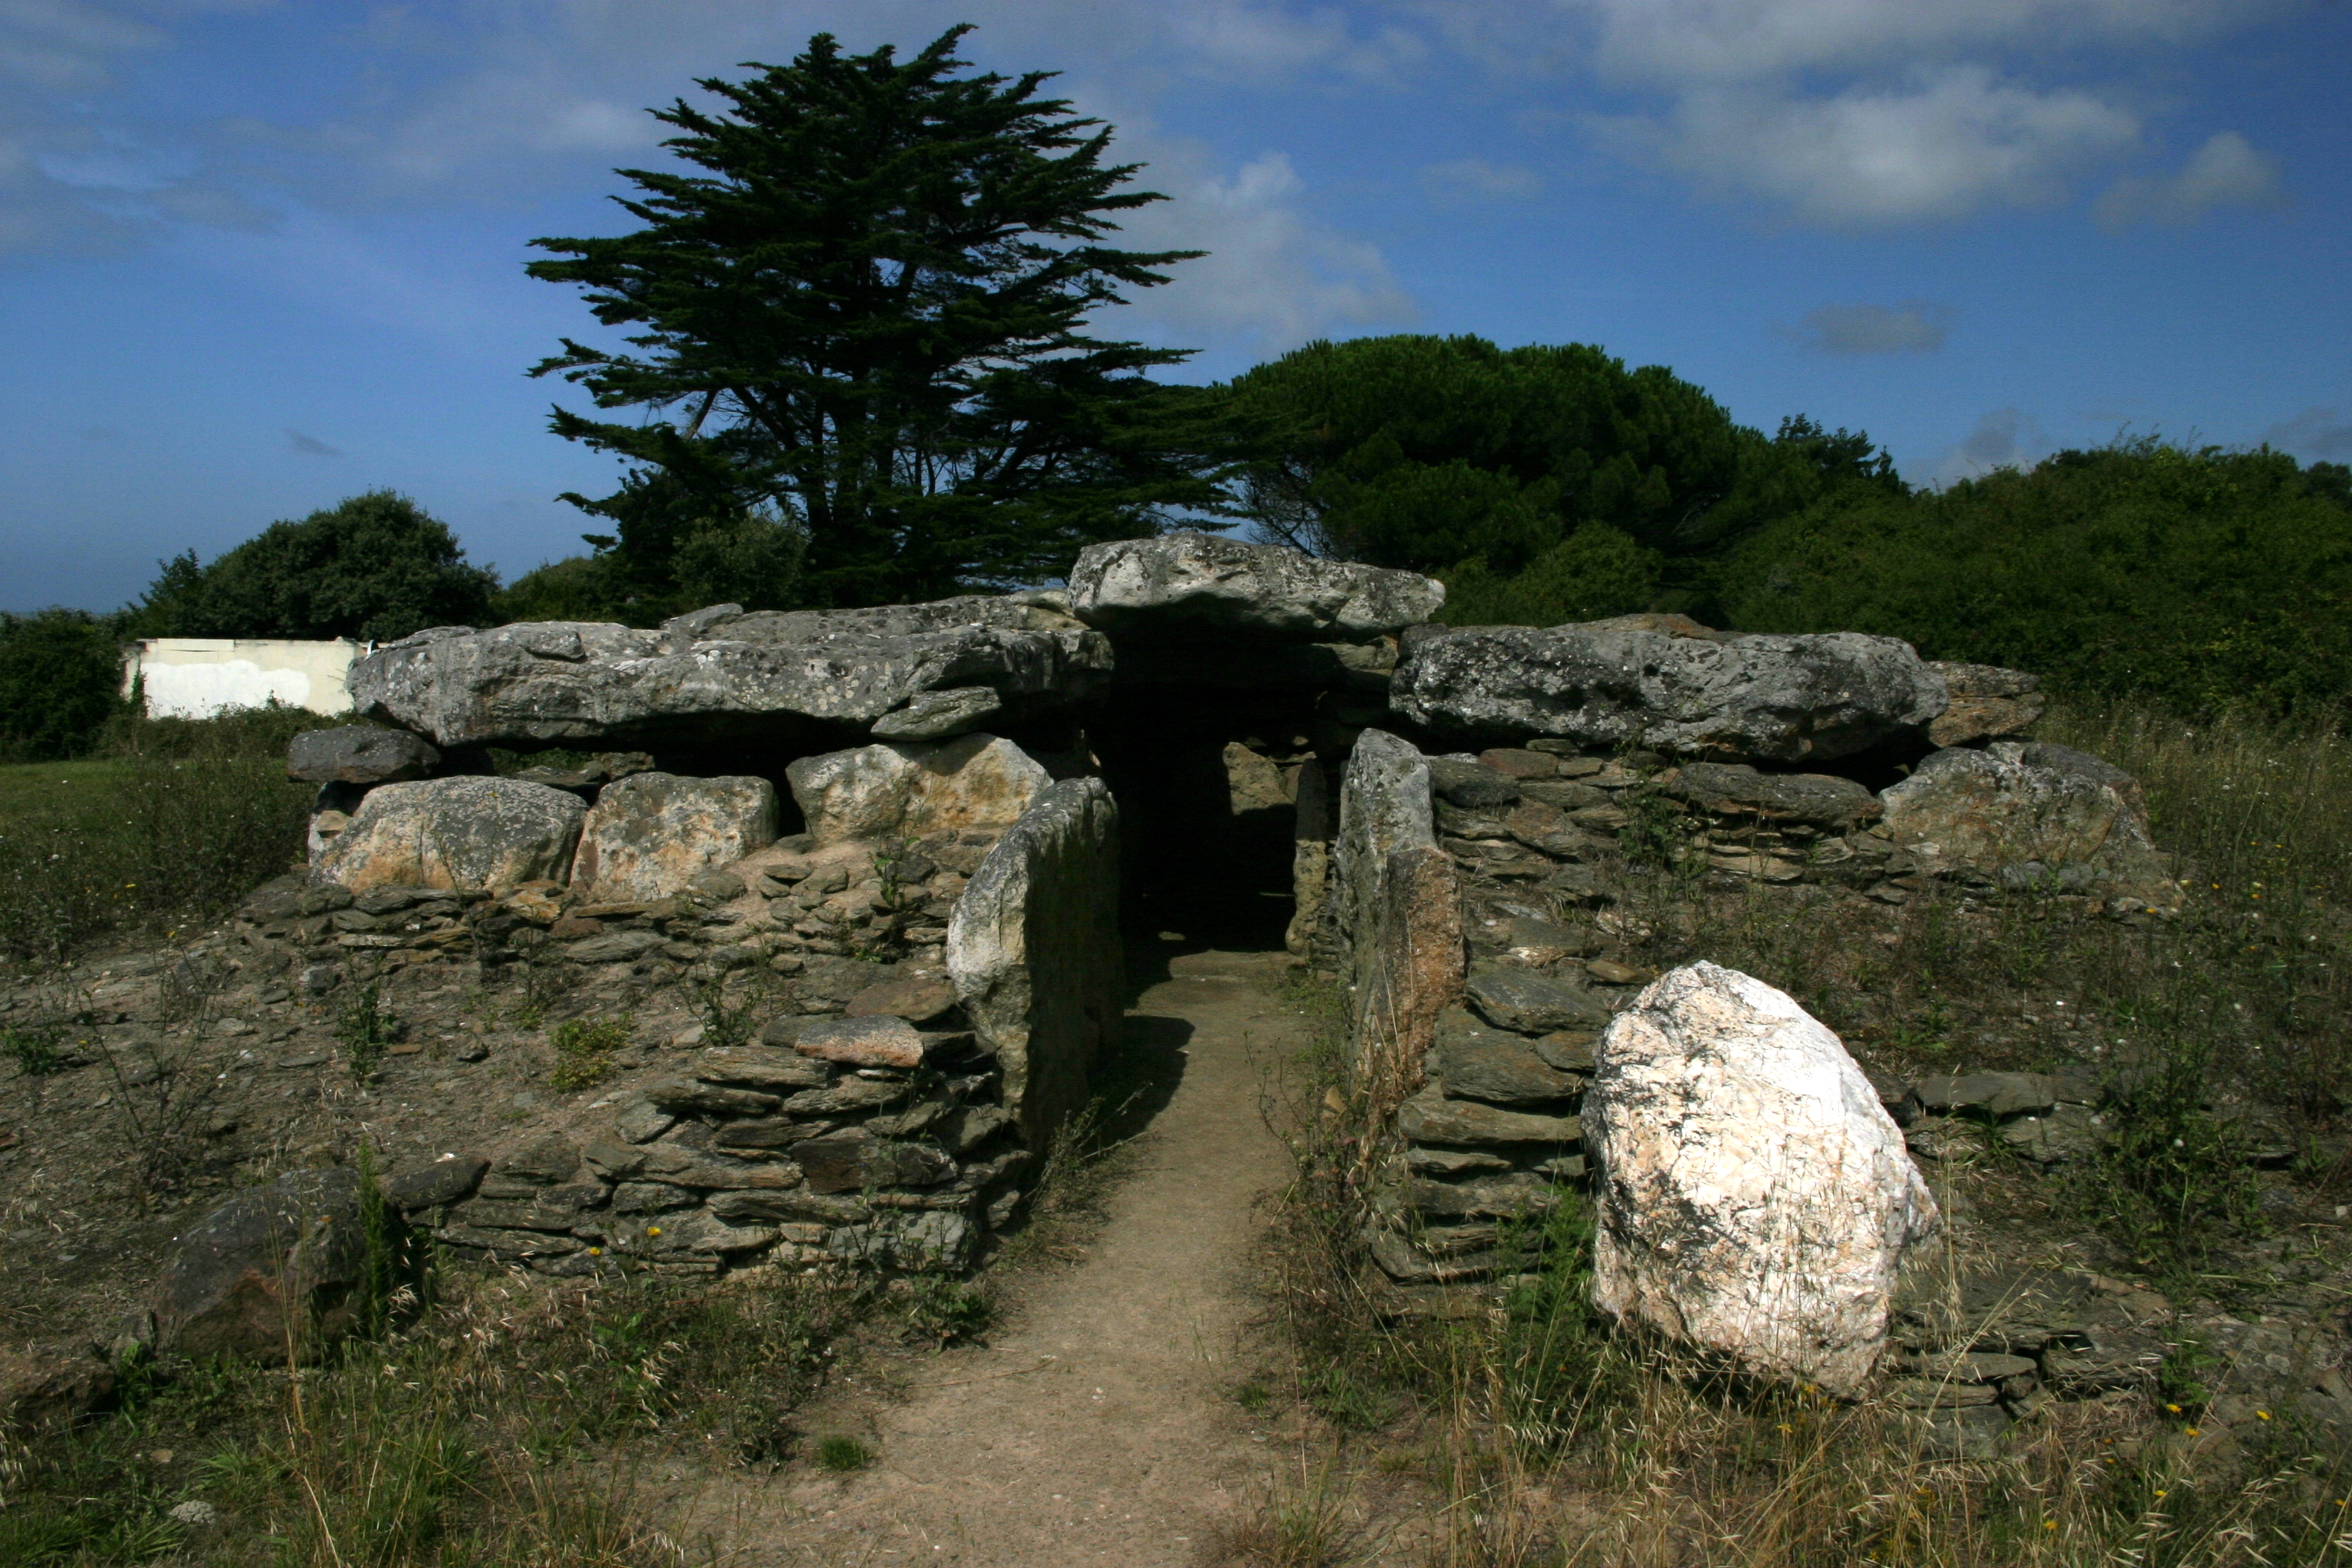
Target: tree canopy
x: 2200, y: 578
x: 59, y: 673
x: 375, y: 566
x: 858, y: 312
x: 1547, y: 482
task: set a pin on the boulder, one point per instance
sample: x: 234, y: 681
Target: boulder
x: 1193, y: 583
x: 358, y: 754
x: 1739, y: 793
x: 271, y: 1268
x: 2021, y: 812
x: 652, y: 835
x: 911, y: 789
x: 1396, y: 906
x: 1032, y: 950
x: 1988, y: 704
x: 471, y: 835
x: 721, y: 672
x: 1748, y: 699
x: 1755, y: 1198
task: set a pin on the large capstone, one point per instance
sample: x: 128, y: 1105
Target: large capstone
x: 724, y: 672
x: 358, y: 754
x: 476, y: 835
x: 1756, y: 1197
x: 912, y: 790
x: 650, y: 835
x: 1187, y: 582
x: 1726, y: 699
x: 1034, y: 951
x: 2030, y: 814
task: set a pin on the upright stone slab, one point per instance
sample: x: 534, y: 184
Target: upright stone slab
x: 1988, y: 703
x: 650, y: 835
x: 1718, y: 697
x: 473, y: 834
x: 1397, y: 911
x: 1034, y: 951
x: 722, y: 672
x: 2022, y: 811
x: 1755, y: 1198
x: 1198, y: 583
x: 913, y: 789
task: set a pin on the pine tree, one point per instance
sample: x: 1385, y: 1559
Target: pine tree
x: 861, y: 310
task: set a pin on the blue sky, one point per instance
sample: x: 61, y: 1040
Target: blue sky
x: 256, y: 256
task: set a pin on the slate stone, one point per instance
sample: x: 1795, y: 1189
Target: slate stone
x: 358, y: 754
x: 1470, y: 787
x: 620, y: 947
x: 1997, y: 1094
x: 1738, y: 793
x: 855, y: 1160
x: 919, y: 998
x: 1474, y: 1063
x: 690, y: 1095
x: 872, y: 1040
x: 1428, y: 1118
x: 273, y: 1260
x: 1532, y: 1004
x: 771, y: 1067
x: 446, y: 1180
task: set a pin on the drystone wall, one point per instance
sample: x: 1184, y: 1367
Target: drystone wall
x: 903, y: 841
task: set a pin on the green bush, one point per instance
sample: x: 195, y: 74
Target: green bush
x: 2202, y: 579
x: 60, y: 675
x: 376, y: 565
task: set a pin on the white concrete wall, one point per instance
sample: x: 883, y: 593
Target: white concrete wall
x: 197, y: 678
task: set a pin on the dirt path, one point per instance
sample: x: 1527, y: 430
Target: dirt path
x: 1098, y: 1426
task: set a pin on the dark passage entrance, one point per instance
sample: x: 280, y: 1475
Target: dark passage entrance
x: 1207, y: 785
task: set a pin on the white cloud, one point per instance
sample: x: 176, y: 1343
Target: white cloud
x: 1476, y: 177
x: 1916, y: 327
x: 1855, y: 113
x: 2226, y: 172
x: 1944, y: 145
x: 1274, y: 275
x: 2314, y: 434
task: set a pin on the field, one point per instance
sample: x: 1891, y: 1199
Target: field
x: 508, y: 1421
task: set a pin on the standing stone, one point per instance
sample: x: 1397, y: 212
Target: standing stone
x: 1741, y: 699
x: 1756, y: 1197
x: 2024, y: 811
x: 912, y: 790
x: 358, y: 754
x: 650, y: 835
x: 1397, y: 908
x: 1187, y: 582
x: 486, y: 835
x: 1034, y: 951
x: 1310, y: 859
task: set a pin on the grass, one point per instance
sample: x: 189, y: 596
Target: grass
x: 175, y: 822
x: 842, y: 1455
x: 1540, y: 1434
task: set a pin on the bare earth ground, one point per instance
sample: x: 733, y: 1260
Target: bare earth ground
x: 1098, y: 1425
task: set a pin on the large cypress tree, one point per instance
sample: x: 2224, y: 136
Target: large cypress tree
x: 861, y: 308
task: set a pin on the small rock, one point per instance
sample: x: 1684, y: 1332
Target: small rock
x: 1428, y: 1118
x: 874, y: 1040
x: 448, y: 1180
x: 1613, y: 974
x: 195, y: 1514
x: 919, y: 998
x: 1519, y: 765
x: 1997, y: 1094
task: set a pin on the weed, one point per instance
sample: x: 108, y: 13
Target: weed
x: 943, y: 1311
x: 1254, y: 1396
x: 160, y: 1103
x: 1301, y: 1521
x: 545, y: 979
x: 842, y: 1455
x: 363, y: 1029
x: 584, y: 1047
x: 725, y: 1023
x: 33, y: 1049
